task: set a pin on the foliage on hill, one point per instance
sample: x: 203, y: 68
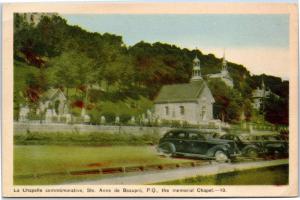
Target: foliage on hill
x: 55, y: 54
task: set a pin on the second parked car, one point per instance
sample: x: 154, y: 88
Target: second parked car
x: 253, y: 145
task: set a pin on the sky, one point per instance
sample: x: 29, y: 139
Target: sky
x: 259, y: 42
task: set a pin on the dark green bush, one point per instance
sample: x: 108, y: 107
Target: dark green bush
x: 109, y: 117
x: 94, y: 138
x: 124, y: 118
x: 95, y: 117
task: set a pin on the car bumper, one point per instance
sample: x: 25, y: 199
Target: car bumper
x: 234, y: 155
x: 159, y: 151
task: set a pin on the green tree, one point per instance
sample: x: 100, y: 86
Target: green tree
x: 276, y: 110
x: 228, y: 102
x: 72, y: 69
x: 62, y: 71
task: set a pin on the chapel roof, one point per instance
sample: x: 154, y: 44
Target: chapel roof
x: 180, y: 92
x: 196, y: 59
x: 51, y: 93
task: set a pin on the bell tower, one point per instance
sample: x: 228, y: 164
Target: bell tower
x: 196, y: 75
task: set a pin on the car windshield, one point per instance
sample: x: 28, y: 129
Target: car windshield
x: 228, y: 137
x: 175, y: 134
x: 192, y: 135
x: 203, y: 135
x: 169, y: 135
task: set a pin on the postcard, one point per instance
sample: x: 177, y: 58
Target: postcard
x: 150, y: 100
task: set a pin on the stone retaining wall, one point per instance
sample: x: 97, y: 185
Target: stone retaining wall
x: 22, y: 128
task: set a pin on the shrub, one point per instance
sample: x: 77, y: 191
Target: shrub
x: 94, y: 116
x: 33, y: 116
x: 175, y: 124
x: 109, y: 117
x: 165, y: 122
x: 94, y: 138
x: 124, y: 118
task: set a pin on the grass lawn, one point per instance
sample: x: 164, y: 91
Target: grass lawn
x: 36, y: 159
x: 277, y: 175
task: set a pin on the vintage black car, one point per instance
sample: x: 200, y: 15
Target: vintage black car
x: 245, y: 143
x: 195, y: 143
x: 273, y: 144
x: 258, y: 145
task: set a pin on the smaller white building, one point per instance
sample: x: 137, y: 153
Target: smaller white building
x: 55, y: 100
x: 53, y: 104
x: 224, y: 74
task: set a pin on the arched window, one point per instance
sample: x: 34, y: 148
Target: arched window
x: 56, y: 106
x: 167, y: 110
x: 181, y: 110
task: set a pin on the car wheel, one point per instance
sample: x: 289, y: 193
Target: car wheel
x: 252, y: 153
x: 221, y: 156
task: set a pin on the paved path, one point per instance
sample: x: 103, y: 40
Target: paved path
x: 175, y: 174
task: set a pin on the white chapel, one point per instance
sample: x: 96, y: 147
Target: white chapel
x: 190, y: 102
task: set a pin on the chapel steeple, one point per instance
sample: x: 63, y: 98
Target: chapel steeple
x: 263, y: 84
x: 196, y: 75
x: 224, y: 64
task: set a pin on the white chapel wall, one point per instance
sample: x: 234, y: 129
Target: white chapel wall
x: 190, y: 111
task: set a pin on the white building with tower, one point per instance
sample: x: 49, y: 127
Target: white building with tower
x: 190, y: 102
x: 224, y: 74
x: 260, y: 94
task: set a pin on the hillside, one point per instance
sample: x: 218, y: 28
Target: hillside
x: 55, y: 54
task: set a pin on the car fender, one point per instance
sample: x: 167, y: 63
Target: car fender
x: 222, y: 147
x: 169, y: 145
